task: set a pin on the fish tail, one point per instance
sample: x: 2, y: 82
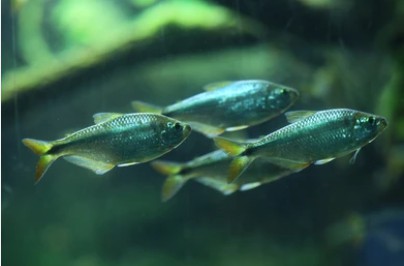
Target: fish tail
x: 231, y: 147
x: 237, y: 167
x: 45, y: 161
x: 174, y: 181
x: 143, y: 107
x: 171, y: 186
x: 40, y: 148
x: 166, y: 168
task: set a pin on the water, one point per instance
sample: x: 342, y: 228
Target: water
x: 341, y: 54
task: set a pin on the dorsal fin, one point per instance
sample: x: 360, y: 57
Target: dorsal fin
x: 102, y: 117
x: 294, y: 116
x: 217, y: 85
x: 143, y: 107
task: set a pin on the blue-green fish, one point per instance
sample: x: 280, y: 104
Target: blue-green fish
x: 114, y: 140
x: 211, y: 170
x: 229, y: 106
x: 313, y: 137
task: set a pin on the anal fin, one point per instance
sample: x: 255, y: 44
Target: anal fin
x: 295, y: 166
x: 97, y: 167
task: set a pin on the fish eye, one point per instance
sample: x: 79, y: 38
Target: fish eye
x: 177, y: 126
x: 371, y: 120
x: 170, y: 124
x: 283, y: 91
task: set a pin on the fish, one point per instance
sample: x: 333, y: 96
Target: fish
x: 115, y: 140
x: 211, y: 170
x: 312, y: 137
x: 228, y: 106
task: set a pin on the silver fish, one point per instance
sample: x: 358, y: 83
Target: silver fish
x: 229, y: 106
x: 115, y: 139
x: 211, y: 170
x: 313, y: 137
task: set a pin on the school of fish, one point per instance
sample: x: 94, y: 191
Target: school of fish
x: 312, y: 137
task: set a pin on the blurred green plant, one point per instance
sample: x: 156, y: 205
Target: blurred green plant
x: 95, y: 31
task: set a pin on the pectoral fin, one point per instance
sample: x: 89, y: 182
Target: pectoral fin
x: 250, y: 186
x: 97, y: 167
x: 230, y: 129
x: 323, y: 161
x: 127, y: 164
x: 353, y: 158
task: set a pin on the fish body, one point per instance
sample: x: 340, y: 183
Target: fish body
x: 212, y: 169
x: 115, y: 139
x: 312, y: 137
x: 229, y: 106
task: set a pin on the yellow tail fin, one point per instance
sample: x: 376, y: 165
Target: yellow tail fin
x: 40, y: 148
x: 171, y: 186
x: 231, y: 147
x: 237, y: 167
x: 166, y: 168
x: 43, y: 164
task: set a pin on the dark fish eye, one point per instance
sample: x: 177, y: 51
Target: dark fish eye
x: 283, y: 91
x: 177, y: 126
x: 371, y: 120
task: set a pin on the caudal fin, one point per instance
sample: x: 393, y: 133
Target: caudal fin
x: 166, y: 168
x: 174, y: 181
x: 171, y: 186
x: 237, y: 167
x: 143, y: 107
x: 40, y: 148
x: 231, y: 147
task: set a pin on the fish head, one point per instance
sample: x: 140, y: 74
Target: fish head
x: 366, y: 127
x: 174, y: 132
x: 281, y: 97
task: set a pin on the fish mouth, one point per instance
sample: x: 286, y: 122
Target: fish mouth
x: 383, y: 122
x: 293, y: 94
x: 187, y: 130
